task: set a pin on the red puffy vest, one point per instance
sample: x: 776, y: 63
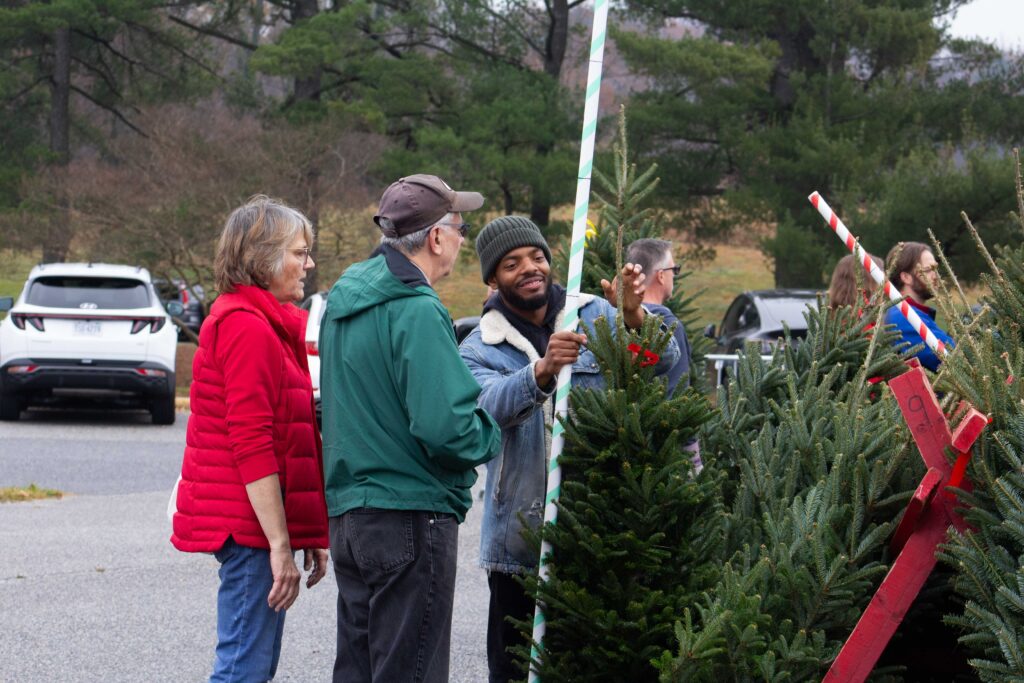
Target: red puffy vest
x: 252, y: 416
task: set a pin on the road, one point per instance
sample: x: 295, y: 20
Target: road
x: 91, y: 589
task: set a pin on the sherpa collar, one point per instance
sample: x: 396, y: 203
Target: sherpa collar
x: 496, y: 329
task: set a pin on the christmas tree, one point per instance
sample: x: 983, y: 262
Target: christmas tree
x: 636, y: 529
x: 622, y: 219
x: 986, y: 370
x: 759, y: 567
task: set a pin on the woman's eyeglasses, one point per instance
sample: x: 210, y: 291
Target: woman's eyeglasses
x: 303, y: 252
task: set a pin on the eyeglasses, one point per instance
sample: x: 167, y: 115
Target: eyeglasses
x: 303, y: 252
x: 675, y: 269
x: 463, y: 228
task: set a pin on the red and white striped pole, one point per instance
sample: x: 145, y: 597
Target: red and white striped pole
x: 876, y: 273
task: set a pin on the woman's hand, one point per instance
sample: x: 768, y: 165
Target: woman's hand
x: 315, y: 559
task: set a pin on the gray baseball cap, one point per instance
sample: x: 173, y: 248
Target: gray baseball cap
x: 418, y: 201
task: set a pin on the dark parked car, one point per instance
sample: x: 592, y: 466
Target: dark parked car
x: 190, y: 297
x: 759, y: 316
x: 463, y: 326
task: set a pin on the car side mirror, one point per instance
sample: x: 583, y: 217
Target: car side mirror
x: 709, y: 331
x: 175, y: 308
x: 6, y: 303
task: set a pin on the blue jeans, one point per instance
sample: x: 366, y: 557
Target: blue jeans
x: 248, y: 631
x: 396, y: 587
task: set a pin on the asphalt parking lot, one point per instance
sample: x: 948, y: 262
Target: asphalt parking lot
x: 91, y: 589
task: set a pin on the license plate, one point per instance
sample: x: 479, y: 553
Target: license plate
x: 88, y: 328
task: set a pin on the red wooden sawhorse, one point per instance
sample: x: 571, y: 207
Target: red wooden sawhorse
x: 929, y: 514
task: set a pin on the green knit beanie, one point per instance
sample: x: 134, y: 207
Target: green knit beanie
x: 504, y: 234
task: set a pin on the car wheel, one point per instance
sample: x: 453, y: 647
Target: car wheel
x: 10, y: 407
x: 163, y: 410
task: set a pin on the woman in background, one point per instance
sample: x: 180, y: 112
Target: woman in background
x: 851, y: 285
x: 252, y: 489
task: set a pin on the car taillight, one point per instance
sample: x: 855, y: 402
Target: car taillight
x: 150, y: 372
x: 311, y: 349
x: 154, y: 324
x: 21, y: 369
x: 36, y: 321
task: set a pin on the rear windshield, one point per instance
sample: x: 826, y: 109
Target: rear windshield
x: 88, y: 292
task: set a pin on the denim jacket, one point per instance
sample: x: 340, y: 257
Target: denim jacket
x: 502, y: 361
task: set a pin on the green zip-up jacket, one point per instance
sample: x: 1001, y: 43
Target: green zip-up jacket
x: 401, y: 428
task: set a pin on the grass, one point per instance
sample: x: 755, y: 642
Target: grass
x: 18, y: 494
x: 14, y: 268
x: 734, y: 270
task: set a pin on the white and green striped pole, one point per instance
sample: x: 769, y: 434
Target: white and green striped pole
x: 572, y: 285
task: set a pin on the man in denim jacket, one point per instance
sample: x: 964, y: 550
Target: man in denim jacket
x: 515, y: 354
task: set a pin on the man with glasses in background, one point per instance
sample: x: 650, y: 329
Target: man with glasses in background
x: 402, y: 438
x: 655, y: 257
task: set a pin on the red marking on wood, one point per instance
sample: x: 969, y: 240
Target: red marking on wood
x: 814, y: 199
x: 833, y: 222
x: 919, y: 533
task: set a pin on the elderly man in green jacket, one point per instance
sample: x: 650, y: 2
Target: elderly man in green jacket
x: 402, y: 438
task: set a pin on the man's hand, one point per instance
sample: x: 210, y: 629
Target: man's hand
x: 633, y: 290
x: 611, y: 293
x: 563, y: 349
x: 314, y: 559
x: 286, y: 579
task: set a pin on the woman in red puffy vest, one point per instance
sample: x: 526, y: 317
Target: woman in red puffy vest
x: 252, y: 489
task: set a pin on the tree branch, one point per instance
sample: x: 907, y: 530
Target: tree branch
x: 113, y: 110
x: 120, y: 55
x: 160, y: 38
x: 27, y: 89
x: 213, y: 32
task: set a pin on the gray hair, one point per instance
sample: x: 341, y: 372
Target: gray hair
x: 650, y: 254
x: 252, y: 245
x: 411, y: 244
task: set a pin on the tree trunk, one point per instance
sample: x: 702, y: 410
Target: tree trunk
x: 307, y: 88
x: 58, y: 238
x: 558, y: 38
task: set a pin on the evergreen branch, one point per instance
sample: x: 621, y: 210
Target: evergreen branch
x: 169, y: 44
x: 120, y: 55
x: 102, y: 73
x: 206, y: 31
x: 1019, y: 187
x: 27, y: 89
x: 113, y: 110
x: 981, y: 245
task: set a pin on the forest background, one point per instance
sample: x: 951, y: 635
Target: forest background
x: 130, y: 128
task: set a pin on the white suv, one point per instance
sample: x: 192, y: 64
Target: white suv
x: 316, y: 305
x: 87, y: 329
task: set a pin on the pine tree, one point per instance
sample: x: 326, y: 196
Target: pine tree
x: 624, y: 218
x: 636, y: 529
x: 817, y: 466
x: 987, y: 371
x: 758, y: 568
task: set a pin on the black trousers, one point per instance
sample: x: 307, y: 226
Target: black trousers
x: 508, y: 599
x: 396, y: 588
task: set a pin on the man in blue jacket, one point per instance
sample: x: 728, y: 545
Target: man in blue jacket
x: 515, y: 354
x: 913, y: 269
